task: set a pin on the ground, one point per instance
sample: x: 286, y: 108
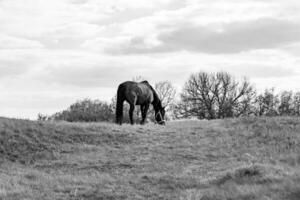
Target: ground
x: 236, y: 159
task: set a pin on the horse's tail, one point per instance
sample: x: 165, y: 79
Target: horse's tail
x: 119, y: 106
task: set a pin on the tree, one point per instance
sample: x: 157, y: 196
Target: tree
x: 296, y: 104
x: 267, y: 103
x: 187, y: 109
x: 233, y: 98
x: 166, y: 92
x: 215, y: 95
x: 86, y: 111
x: 286, y: 103
x: 198, y: 92
x: 43, y: 117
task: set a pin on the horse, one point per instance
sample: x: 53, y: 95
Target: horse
x: 138, y: 93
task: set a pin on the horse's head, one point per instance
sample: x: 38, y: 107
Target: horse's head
x: 160, y: 116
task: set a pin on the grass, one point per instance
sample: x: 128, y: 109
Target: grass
x: 234, y: 159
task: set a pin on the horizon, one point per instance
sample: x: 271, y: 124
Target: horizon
x: 55, y: 53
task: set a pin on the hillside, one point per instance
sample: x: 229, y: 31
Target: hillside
x: 237, y: 159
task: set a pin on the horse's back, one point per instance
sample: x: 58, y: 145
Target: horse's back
x: 127, y: 86
x: 138, y: 93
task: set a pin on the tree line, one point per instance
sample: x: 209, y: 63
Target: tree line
x: 203, y: 96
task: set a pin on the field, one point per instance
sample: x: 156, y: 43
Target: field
x: 236, y: 159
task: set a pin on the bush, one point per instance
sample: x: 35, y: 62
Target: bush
x: 86, y: 111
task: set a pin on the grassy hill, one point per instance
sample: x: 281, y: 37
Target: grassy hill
x: 236, y: 159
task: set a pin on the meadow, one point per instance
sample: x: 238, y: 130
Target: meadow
x: 234, y: 159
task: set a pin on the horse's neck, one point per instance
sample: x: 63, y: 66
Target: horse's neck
x: 157, y: 105
x: 156, y: 101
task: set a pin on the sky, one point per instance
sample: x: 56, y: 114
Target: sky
x: 53, y: 53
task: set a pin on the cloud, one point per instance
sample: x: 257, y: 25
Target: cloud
x: 91, y: 70
x: 262, y: 70
x: 9, y: 68
x: 279, y: 83
x: 14, y: 63
x: 68, y: 36
x: 227, y: 38
x: 79, y: 1
x: 87, y: 76
x: 103, y: 74
x: 9, y: 42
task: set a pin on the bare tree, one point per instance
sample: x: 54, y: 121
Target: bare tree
x: 296, y: 104
x: 198, y: 91
x: 286, y: 103
x: 267, y: 103
x: 166, y: 92
x: 233, y: 98
x: 187, y: 108
x: 217, y: 95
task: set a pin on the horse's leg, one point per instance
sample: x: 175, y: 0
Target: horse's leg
x: 144, y: 113
x: 131, y: 113
x: 119, y: 111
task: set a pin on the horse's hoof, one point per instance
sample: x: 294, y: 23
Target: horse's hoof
x: 162, y: 123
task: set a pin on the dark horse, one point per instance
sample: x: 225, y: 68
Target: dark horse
x: 138, y: 93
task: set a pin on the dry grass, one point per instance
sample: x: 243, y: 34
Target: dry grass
x: 247, y: 158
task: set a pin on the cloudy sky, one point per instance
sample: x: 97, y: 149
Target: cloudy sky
x: 53, y: 53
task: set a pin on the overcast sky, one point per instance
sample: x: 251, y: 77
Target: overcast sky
x: 53, y: 53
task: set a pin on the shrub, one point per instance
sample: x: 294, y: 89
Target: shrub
x: 86, y: 111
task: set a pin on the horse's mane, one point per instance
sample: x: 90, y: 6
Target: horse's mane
x: 145, y: 82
